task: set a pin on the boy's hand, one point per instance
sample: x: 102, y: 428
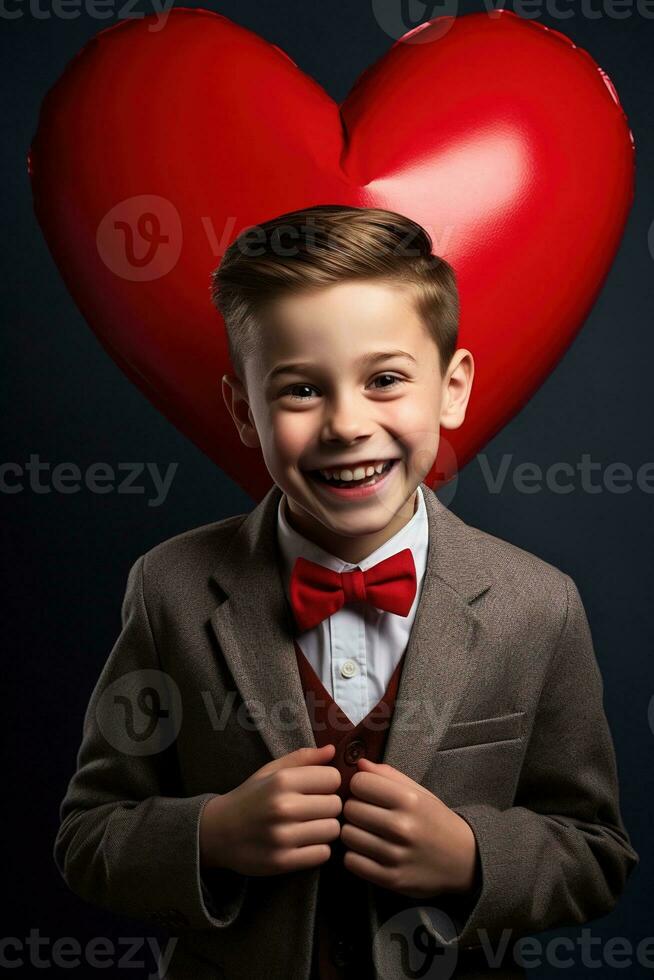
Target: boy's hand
x: 280, y: 819
x: 400, y: 836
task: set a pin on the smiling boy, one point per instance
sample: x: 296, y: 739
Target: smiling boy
x: 342, y: 377
x: 429, y: 759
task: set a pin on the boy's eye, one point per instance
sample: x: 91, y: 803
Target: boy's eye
x: 392, y: 378
x: 289, y: 391
x: 306, y: 387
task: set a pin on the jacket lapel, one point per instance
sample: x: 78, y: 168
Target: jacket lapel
x: 443, y: 649
x: 254, y: 627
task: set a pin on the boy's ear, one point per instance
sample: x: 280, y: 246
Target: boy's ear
x: 236, y: 399
x: 457, y: 385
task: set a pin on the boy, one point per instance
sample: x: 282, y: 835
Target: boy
x: 382, y: 741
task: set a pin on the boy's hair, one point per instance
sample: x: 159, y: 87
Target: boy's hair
x: 323, y: 245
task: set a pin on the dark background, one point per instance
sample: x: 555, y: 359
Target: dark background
x: 67, y: 555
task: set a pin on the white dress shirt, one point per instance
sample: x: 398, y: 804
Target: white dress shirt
x: 355, y: 650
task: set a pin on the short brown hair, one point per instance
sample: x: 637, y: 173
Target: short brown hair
x: 331, y: 243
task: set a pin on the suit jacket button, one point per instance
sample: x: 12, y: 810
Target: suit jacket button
x: 354, y: 750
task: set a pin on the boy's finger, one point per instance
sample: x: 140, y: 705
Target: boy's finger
x: 302, y: 757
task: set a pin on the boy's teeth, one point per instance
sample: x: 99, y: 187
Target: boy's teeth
x: 358, y: 473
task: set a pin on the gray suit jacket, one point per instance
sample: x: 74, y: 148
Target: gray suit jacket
x: 499, y: 713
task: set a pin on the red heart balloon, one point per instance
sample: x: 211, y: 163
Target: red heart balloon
x: 157, y: 146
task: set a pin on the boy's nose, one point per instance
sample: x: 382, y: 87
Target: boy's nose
x: 347, y: 426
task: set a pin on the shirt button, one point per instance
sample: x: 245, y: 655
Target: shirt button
x: 354, y: 750
x: 348, y: 668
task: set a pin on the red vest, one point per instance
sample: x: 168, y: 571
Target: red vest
x: 342, y: 940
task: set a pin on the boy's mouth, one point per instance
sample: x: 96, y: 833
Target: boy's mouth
x: 365, y: 481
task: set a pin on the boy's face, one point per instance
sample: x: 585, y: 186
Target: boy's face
x: 328, y: 387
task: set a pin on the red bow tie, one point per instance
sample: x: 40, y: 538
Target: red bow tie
x: 316, y: 591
